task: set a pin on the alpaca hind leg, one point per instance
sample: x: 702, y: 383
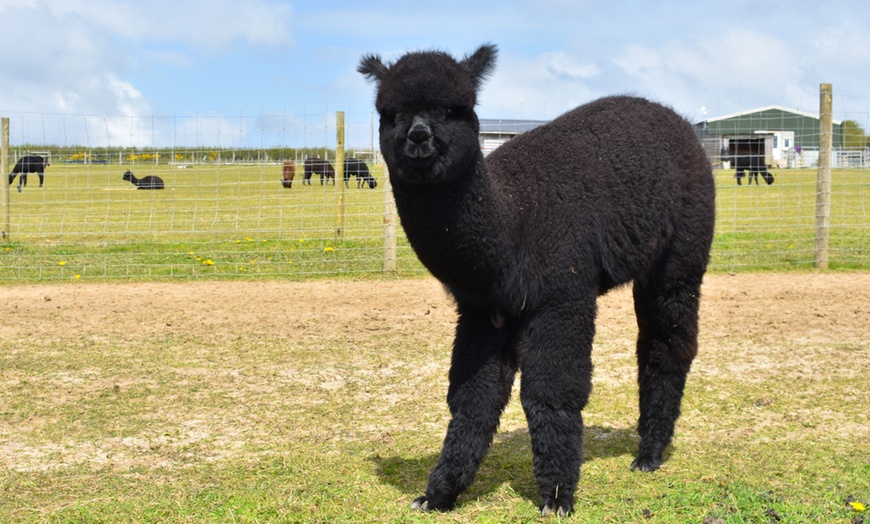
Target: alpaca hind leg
x: 481, y: 377
x: 667, y: 318
x: 555, y: 359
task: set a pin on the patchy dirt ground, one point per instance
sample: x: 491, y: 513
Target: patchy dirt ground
x: 828, y: 308
x: 739, y: 314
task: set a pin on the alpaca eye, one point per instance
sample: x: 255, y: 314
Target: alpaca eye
x: 454, y: 112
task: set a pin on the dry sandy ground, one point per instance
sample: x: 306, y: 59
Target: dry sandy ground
x: 739, y: 314
x: 825, y: 308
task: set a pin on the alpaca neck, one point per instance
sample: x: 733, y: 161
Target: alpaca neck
x: 459, y: 231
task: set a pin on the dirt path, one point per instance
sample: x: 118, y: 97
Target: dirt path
x: 833, y: 307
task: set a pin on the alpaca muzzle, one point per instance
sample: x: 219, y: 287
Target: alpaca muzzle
x: 420, y: 142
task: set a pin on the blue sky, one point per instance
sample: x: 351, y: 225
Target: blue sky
x: 272, y: 72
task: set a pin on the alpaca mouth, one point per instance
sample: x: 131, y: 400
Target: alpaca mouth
x: 420, y: 169
x: 422, y: 151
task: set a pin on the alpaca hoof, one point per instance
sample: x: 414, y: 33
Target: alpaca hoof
x: 424, y: 503
x: 420, y: 504
x: 558, y: 507
x: 646, y: 464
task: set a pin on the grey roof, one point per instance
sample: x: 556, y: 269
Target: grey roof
x: 762, y: 110
x: 489, y: 126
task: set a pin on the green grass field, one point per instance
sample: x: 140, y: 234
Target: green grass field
x: 210, y: 221
x: 237, y: 221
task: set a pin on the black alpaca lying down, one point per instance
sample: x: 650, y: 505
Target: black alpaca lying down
x: 615, y: 191
x: 148, y: 182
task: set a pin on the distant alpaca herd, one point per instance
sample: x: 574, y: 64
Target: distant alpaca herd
x: 319, y: 166
x: 313, y: 166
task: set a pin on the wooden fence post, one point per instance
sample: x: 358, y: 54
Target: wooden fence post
x: 389, y: 224
x: 4, y: 170
x: 823, y: 183
x: 339, y: 173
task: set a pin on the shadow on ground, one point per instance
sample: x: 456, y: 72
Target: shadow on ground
x: 509, y: 460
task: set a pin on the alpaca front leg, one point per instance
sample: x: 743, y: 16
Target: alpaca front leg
x: 481, y: 377
x: 556, y: 379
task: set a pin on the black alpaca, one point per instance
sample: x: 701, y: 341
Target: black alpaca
x: 754, y: 164
x: 317, y: 166
x: 28, y: 164
x: 359, y: 169
x: 148, y: 182
x: 526, y: 240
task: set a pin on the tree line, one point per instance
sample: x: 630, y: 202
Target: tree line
x: 191, y: 155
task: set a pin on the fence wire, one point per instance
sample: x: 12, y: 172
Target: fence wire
x: 225, y: 211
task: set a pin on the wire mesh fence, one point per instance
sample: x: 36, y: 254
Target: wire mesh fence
x: 227, y: 211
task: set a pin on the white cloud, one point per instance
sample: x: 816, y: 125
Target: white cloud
x: 77, y: 60
x: 542, y: 86
x: 746, y: 67
x: 205, y: 24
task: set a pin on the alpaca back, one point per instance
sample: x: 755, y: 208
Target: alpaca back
x: 618, y: 176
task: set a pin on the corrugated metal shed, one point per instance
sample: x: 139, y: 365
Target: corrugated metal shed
x: 768, y: 119
x: 495, y: 132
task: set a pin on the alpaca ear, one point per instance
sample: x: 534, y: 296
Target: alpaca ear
x: 372, y: 68
x: 481, y: 63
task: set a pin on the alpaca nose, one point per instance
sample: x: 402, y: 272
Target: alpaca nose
x: 420, y: 131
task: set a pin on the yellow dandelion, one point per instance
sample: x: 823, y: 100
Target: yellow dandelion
x: 328, y: 249
x: 208, y: 262
x: 264, y: 240
x: 198, y: 258
x: 858, y: 506
x: 61, y: 263
x: 191, y: 253
x: 238, y: 241
x: 78, y: 277
x: 301, y: 240
x: 241, y: 269
x: 249, y: 239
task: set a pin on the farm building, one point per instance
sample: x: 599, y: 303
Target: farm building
x: 495, y: 132
x: 784, y: 137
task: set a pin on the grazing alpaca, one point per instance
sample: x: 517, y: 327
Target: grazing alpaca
x: 317, y: 166
x: 755, y: 165
x: 287, y: 173
x: 28, y: 164
x: 526, y: 240
x: 148, y: 182
x: 359, y: 169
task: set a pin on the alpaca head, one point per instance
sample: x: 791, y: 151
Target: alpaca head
x: 428, y: 127
x: 128, y: 175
